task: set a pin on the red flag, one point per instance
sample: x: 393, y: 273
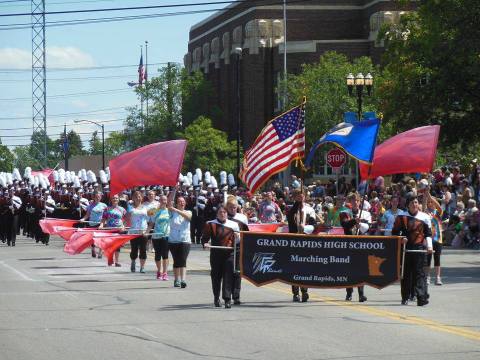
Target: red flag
x: 64, y: 232
x: 264, y: 227
x: 110, y: 243
x: 154, y: 164
x: 78, y: 242
x: 412, y: 151
x: 48, y: 224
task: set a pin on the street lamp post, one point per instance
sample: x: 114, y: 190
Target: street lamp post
x: 359, y: 82
x: 103, y: 137
x: 238, y: 51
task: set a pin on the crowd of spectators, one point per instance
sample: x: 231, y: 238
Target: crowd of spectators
x: 451, y: 194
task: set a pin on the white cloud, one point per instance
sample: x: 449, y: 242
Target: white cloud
x: 57, y: 57
x: 80, y: 104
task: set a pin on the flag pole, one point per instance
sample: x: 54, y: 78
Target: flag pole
x: 146, y: 74
x: 368, y: 176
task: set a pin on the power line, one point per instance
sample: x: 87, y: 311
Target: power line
x: 68, y: 124
x: 88, y: 93
x: 74, y: 78
x: 28, y: 136
x: 81, y: 68
x: 20, y: 26
x: 72, y: 113
x: 129, y: 8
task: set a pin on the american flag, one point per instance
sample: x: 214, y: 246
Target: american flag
x: 280, y: 142
x: 142, y: 75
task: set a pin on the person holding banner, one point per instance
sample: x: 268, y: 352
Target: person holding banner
x: 179, y: 240
x: 355, y: 221
x: 160, y: 222
x: 137, y: 216
x: 242, y: 222
x: 297, y: 220
x: 221, y: 234
x: 94, y: 216
x: 113, y: 217
x: 415, y: 226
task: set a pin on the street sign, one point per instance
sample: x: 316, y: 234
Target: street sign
x: 336, y: 158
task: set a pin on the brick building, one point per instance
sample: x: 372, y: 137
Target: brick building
x: 255, y: 30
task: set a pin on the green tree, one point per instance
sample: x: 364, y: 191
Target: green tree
x: 176, y: 99
x: 324, y: 86
x: 6, y: 158
x: 116, y: 143
x: 75, y: 146
x: 23, y: 157
x: 208, y: 148
x: 95, y: 144
x: 432, y: 58
x: 37, y: 150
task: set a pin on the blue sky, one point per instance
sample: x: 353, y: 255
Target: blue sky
x: 104, y: 44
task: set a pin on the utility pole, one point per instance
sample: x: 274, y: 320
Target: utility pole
x: 39, y: 80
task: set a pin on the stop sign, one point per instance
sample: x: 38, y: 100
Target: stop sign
x: 336, y: 158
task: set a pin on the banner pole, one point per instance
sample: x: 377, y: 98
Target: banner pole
x: 403, y: 259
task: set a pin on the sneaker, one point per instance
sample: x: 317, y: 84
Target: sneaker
x: 132, y: 266
x: 94, y: 254
x: 228, y: 304
x: 429, y: 280
x: 98, y: 257
x: 305, y: 297
x: 159, y: 275
x: 237, y: 302
x: 348, y: 298
x: 110, y: 262
x: 176, y: 283
x: 142, y: 270
x: 362, y: 298
x: 438, y: 281
x: 216, y: 302
x: 296, y: 298
x: 118, y: 265
x: 164, y: 276
x: 404, y: 302
x: 183, y: 284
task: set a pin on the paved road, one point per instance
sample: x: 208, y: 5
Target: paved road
x: 54, y: 306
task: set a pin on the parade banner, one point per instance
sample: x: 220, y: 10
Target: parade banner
x: 326, y: 261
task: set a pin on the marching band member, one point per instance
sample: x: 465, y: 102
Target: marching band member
x: 94, y: 216
x: 297, y: 220
x: 137, y: 216
x: 242, y: 221
x: 416, y: 227
x: 221, y: 232
x: 179, y: 240
x: 160, y: 222
x: 355, y: 221
x: 113, y: 217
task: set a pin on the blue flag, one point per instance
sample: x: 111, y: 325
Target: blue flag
x: 357, y: 139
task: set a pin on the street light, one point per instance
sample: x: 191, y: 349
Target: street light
x: 103, y: 137
x: 238, y: 51
x: 359, y: 82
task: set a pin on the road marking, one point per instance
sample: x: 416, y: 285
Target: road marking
x: 451, y: 329
x: 19, y: 273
